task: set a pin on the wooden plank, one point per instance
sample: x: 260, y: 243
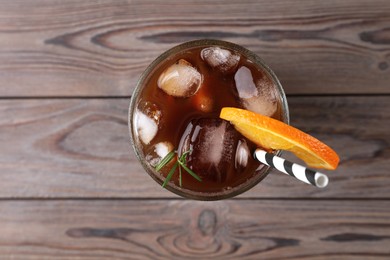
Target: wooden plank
x: 100, y: 48
x: 244, y: 229
x: 80, y: 148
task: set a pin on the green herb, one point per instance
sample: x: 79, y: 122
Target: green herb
x: 165, y: 160
x: 180, y: 181
x: 193, y: 174
x: 181, y: 163
x: 170, y: 174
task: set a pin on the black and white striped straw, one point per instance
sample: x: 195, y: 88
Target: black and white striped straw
x: 295, y: 170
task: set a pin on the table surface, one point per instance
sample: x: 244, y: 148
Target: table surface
x: 71, y: 187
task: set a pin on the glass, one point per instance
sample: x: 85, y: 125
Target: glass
x: 173, y: 55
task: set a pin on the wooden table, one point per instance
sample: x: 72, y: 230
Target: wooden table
x: 71, y: 187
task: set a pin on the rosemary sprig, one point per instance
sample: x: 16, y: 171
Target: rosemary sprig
x: 181, y: 163
x: 170, y: 174
x: 180, y: 180
x: 165, y: 160
x: 193, y: 174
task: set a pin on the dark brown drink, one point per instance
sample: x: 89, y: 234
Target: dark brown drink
x: 176, y: 108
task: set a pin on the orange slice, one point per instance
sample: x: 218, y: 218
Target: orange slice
x: 270, y: 133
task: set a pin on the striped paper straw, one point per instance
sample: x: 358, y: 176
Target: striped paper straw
x: 298, y: 171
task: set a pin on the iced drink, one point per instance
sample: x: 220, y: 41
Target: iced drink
x: 175, y: 109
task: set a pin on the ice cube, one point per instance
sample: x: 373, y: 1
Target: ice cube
x: 266, y: 103
x: 213, y: 145
x: 151, y: 110
x: 146, y: 120
x: 224, y: 60
x: 242, y: 154
x: 146, y: 127
x: 246, y: 87
x: 163, y: 148
x: 158, y: 152
x: 256, y: 94
x: 180, y: 79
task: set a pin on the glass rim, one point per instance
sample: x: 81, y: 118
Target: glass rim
x: 205, y: 196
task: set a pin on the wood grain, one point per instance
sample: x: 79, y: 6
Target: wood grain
x: 72, y: 188
x: 250, y: 229
x: 100, y: 48
x: 58, y: 148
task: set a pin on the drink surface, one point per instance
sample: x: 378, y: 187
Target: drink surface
x: 169, y: 118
